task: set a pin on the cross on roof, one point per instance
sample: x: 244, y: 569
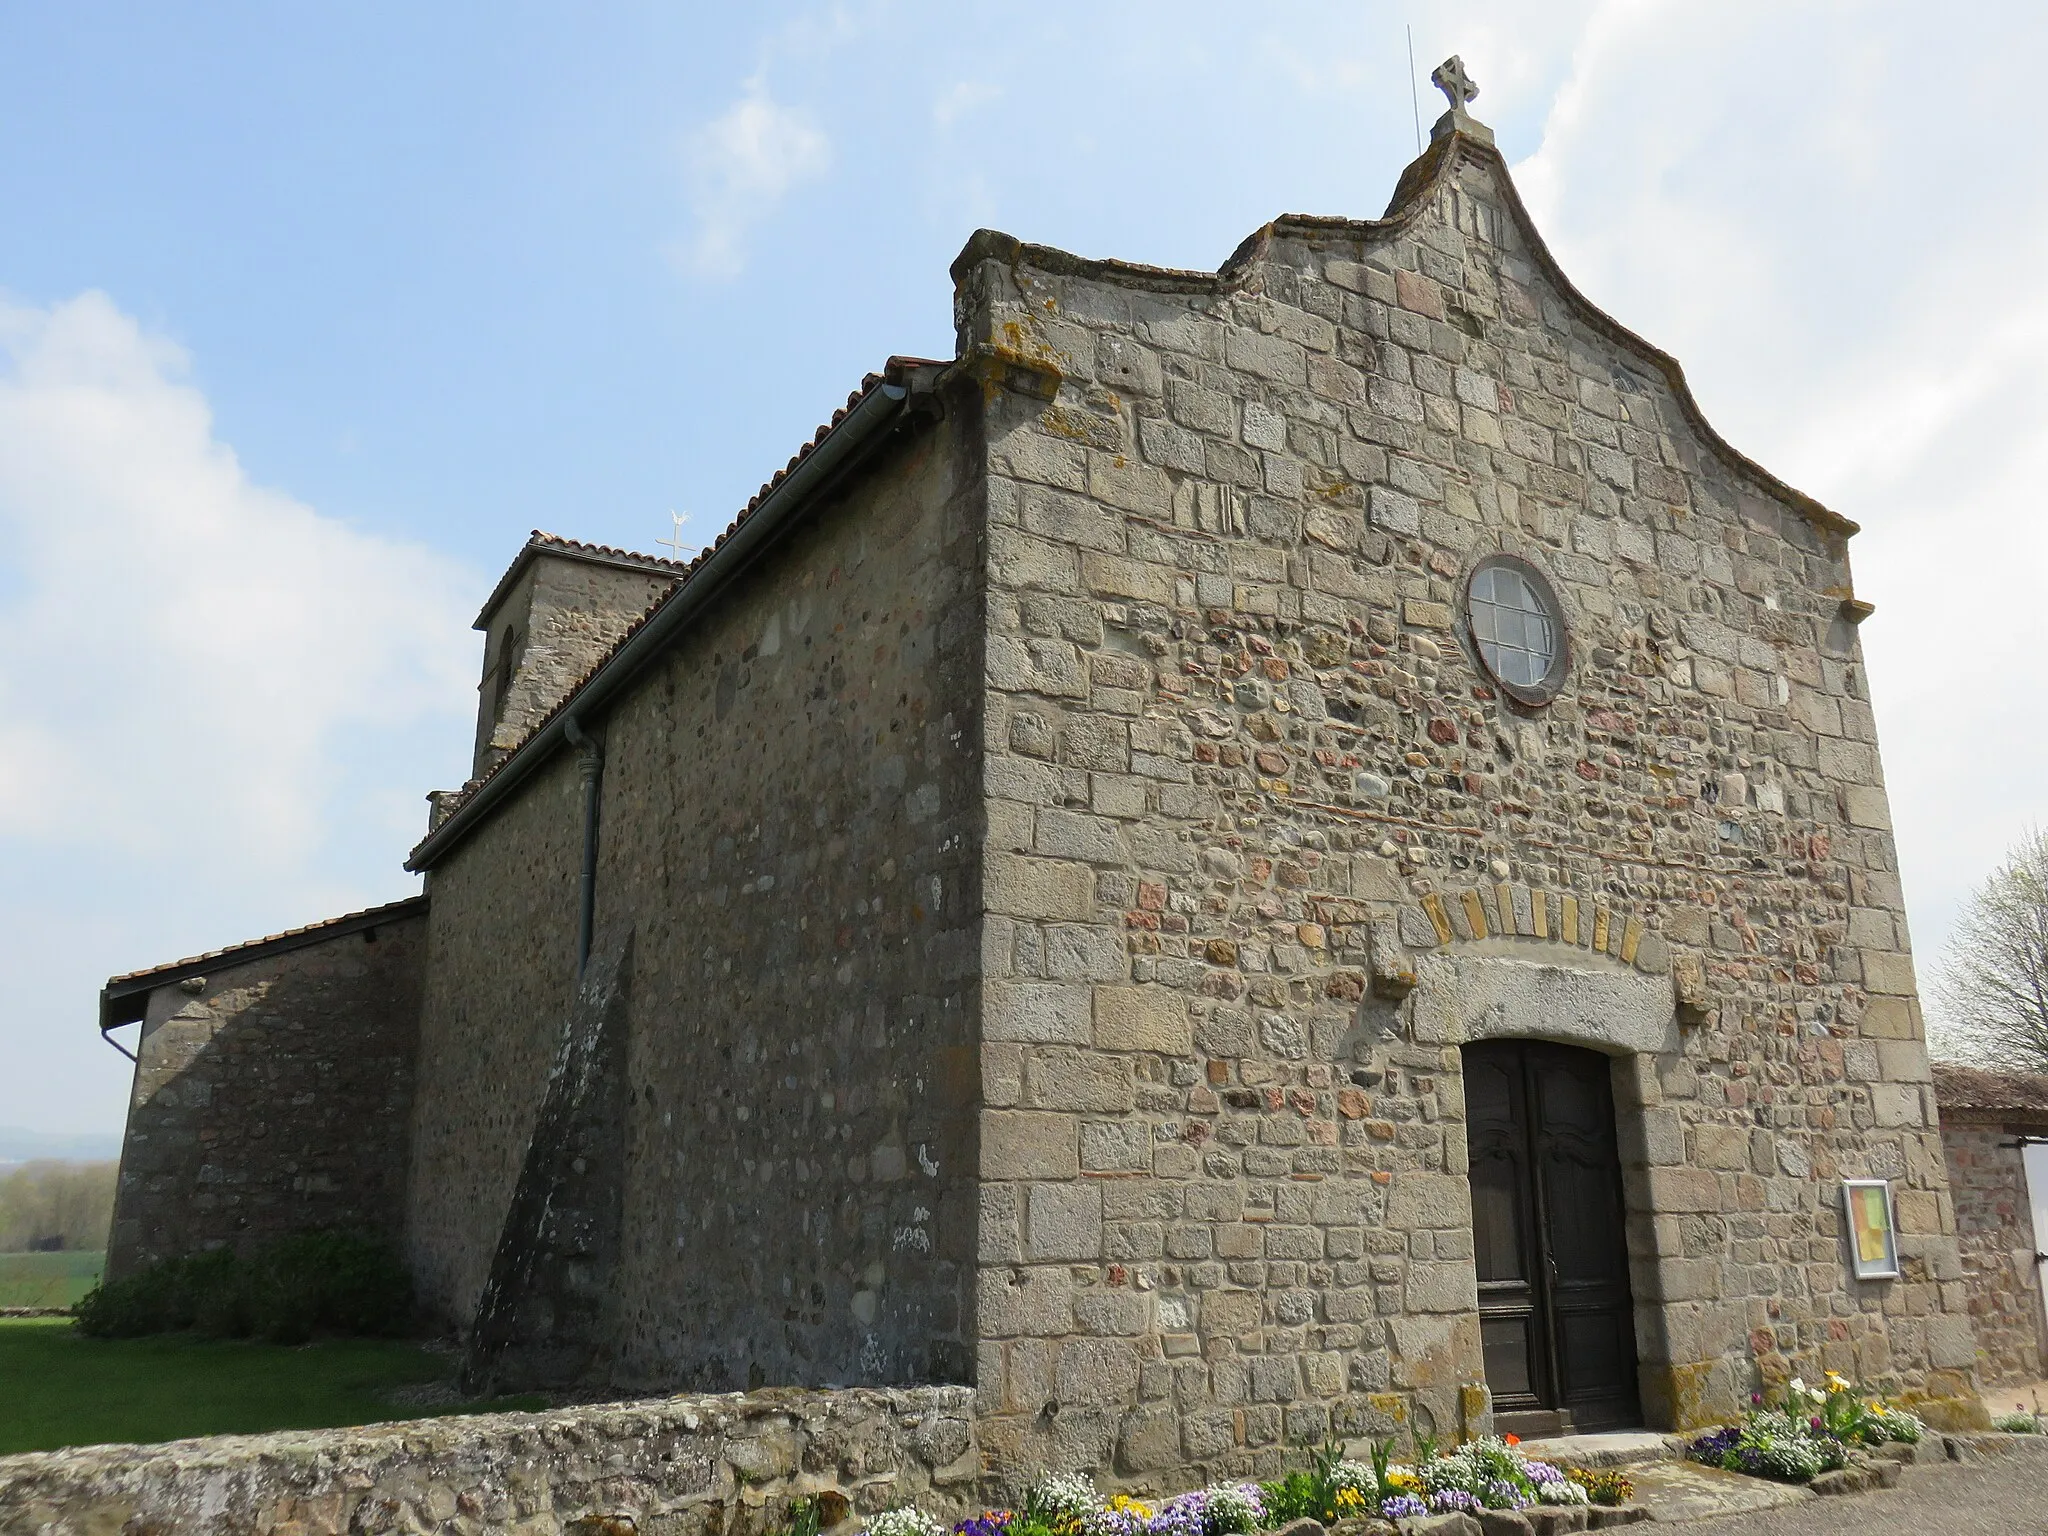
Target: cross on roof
x: 674, y: 542
x: 1450, y: 78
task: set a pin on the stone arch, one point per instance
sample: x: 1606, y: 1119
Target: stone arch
x: 1565, y: 918
x: 1564, y: 929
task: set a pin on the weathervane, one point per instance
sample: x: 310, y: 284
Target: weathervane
x: 1450, y: 78
x: 674, y: 542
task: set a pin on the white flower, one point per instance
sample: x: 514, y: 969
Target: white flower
x: 905, y: 1521
x: 1065, y: 1495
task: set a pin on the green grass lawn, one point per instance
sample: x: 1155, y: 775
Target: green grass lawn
x: 48, y: 1279
x: 61, y: 1388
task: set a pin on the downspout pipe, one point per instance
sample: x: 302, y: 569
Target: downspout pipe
x: 590, y: 769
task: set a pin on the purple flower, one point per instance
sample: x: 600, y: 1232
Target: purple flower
x: 1710, y: 1448
x: 1756, y: 1399
x: 1541, y: 1472
x: 1187, y: 1515
x: 1402, y: 1506
x: 1502, y: 1494
x: 1450, y: 1501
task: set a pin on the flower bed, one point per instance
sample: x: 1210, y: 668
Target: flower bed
x: 1480, y: 1474
x: 1813, y: 1430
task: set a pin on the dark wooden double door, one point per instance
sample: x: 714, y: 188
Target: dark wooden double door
x: 1555, y: 1318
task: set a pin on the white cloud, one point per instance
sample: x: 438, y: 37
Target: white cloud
x: 742, y: 165
x: 218, y: 706
x: 1798, y: 203
x: 961, y: 98
x: 184, y: 646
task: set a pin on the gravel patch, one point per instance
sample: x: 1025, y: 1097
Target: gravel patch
x: 2001, y: 1498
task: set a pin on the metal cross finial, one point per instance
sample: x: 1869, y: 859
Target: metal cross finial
x: 674, y: 542
x: 1450, y: 78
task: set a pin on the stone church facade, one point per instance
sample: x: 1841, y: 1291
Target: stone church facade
x: 1287, y: 852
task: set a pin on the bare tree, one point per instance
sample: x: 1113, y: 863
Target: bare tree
x: 1993, y: 981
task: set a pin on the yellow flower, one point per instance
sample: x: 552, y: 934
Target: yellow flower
x: 1837, y: 1382
x: 1350, y: 1499
x: 1123, y: 1504
x: 1401, y: 1477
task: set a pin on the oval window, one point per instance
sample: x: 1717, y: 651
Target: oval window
x: 1517, y: 627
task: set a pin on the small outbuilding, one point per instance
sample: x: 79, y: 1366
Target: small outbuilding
x: 1994, y: 1137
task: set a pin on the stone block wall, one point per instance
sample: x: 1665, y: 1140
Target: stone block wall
x: 1995, y: 1228
x: 703, y: 1466
x: 791, y: 825
x: 273, y: 1095
x: 1237, y: 746
x: 560, y: 618
x: 789, y: 852
x: 500, y: 982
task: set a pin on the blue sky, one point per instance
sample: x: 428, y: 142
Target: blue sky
x: 307, y: 316
x: 454, y: 278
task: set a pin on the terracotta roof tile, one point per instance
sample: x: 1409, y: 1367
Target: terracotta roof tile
x: 544, y: 540
x: 540, y: 542
x: 311, y: 932
x: 1972, y: 1091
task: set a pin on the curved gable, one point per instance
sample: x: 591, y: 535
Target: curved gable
x: 1435, y: 194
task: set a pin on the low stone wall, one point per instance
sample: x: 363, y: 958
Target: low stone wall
x: 679, y: 1466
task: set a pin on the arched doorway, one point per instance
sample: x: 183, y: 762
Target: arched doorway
x: 1556, y: 1321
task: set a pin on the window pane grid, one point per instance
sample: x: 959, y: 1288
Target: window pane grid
x: 1513, y: 626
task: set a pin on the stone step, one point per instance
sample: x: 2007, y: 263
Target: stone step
x: 1685, y: 1490
x: 1533, y: 1424
x: 1993, y: 1445
x: 1614, y: 1448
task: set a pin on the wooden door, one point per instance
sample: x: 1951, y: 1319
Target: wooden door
x: 1556, y: 1322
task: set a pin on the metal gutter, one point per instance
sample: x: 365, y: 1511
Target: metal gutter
x: 747, y: 539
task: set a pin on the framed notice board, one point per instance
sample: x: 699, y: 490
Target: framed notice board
x: 1873, y: 1236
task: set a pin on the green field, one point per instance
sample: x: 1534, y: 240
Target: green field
x: 65, y: 1389
x: 48, y: 1279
